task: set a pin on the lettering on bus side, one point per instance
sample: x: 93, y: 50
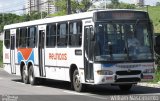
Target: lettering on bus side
x: 58, y: 56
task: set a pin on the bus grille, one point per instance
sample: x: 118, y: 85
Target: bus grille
x: 128, y: 80
x: 132, y: 72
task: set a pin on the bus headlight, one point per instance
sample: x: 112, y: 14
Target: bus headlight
x: 152, y: 70
x: 104, y: 72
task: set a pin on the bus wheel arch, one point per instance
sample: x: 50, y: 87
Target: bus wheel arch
x: 31, y: 74
x: 24, y: 73
x: 75, y: 79
x: 73, y: 67
x: 21, y: 69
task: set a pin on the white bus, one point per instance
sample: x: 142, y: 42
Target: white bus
x: 85, y: 48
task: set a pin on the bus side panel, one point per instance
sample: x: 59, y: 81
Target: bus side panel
x: 62, y: 62
x: 76, y: 59
x: 6, y: 59
x: 50, y: 63
x: 36, y: 64
x: 16, y: 63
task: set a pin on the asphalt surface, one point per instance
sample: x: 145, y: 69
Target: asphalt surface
x: 13, y: 89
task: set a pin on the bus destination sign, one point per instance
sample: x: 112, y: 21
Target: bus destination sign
x: 119, y: 15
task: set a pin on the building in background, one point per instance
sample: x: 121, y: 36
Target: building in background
x: 48, y: 6
x: 139, y: 2
x: 32, y: 5
x: 40, y: 6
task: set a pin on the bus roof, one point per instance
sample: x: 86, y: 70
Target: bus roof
x: 77, y: 16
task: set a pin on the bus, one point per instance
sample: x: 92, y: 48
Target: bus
x: 90, y: 48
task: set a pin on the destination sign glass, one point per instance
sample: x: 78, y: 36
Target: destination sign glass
x: 120, y: 15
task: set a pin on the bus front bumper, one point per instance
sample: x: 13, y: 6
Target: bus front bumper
x: 117, y: 79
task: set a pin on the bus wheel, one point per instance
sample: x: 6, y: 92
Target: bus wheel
x: 32, y: 78
x: 25, y: 75
x: 78, y: 86
x: 125, y: 87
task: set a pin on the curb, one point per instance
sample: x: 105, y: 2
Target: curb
x: 157, y: 85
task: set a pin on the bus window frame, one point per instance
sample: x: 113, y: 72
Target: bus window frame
x: 79, y: 43
x: 58, y: 43
x: 7, y: 45
x: 29, y: 38
x: 51, y: 35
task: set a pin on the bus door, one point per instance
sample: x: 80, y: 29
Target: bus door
x: 12, y: 51
x: 88, y: 54
x: 41, y: 44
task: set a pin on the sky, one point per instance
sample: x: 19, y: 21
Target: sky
x: 10, y: 5
x: 147, y: 2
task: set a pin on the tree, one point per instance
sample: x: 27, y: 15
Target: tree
x: 158, y: 4
x: 115, y: 2
x: 84, y: 5
x: 120, y: 5
x: 76, y: 6
x: 9, y: 18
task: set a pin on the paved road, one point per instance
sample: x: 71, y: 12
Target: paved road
x: 60, y: 91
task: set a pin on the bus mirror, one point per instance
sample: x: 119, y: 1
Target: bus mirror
x: 157, y: 44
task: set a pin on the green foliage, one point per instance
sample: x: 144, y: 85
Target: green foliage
x: 84, y: 5
x: 154, y: 16
x: 158, y: 4
x: 33, y: 16
x: 81, y: 6
x: 60, y: 13
x: 10, y: 18
x: 115, y: 2
x: 120, y: 5
x: 157, y: 76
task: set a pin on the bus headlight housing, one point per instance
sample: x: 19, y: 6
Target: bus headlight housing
x: 104, y: 72
x: 152, y: 70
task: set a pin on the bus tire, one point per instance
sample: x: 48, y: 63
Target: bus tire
x: 25, y: 75
x: 32, y: 78
x: 125, y: 87
x: 77, y: 85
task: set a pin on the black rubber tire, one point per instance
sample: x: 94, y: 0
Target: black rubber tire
x: 25, y: 75
x: 32, y: 78
x: 77, y: 85
x: 125, y: 87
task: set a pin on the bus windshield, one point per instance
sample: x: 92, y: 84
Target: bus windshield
x: 123, y: 41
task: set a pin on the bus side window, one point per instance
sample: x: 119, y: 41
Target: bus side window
x: 22, y: 39
x: 51, y: 35
x: 75, y: 34
x: 7, y: 39
x: 62, y: 34
x: 31, y: 37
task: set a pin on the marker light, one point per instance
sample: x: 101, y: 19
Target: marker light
x: 104, y: 72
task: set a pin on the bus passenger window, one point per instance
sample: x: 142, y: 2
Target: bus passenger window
x: 62, y: 34
x: 22, y: 41
x: 51, y: 36
x: 7, y: 39
x: 75, y: 33
x: 31, y: 37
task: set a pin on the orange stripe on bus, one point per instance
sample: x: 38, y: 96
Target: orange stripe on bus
x: 25, y: 52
